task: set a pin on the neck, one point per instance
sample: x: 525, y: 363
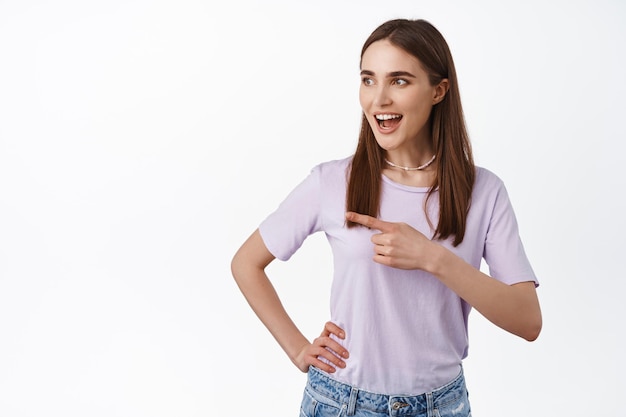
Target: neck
x: 415, y: 162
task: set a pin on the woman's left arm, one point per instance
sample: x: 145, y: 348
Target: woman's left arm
x: 514, y: 308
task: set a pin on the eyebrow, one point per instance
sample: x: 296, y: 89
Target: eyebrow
x: 390, y: 74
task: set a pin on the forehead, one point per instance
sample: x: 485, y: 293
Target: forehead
x: 383, y: 56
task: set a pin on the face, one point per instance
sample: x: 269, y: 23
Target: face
x: 396, y: 97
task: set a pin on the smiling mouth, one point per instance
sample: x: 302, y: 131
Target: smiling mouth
x: 388, y: 121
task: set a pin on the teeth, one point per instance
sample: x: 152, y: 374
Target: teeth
x: 387, y: 116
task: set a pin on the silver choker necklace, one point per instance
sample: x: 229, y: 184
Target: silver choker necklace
x: 419, y: 168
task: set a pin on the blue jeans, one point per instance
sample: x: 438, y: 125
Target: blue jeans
x: 325, y: 397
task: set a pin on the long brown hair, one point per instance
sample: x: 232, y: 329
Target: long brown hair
x: 455, y: 170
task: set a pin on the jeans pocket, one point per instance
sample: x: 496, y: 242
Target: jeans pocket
x: 314, y: 405
x: 307, y: 408
x: 326, y: 410
x: 458, y: 408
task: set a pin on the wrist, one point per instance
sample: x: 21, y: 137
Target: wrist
x: 438, y: 259
x: 295, y: 353
x: 299, y: 360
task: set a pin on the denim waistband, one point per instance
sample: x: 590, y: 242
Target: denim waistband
x: 343, y: 395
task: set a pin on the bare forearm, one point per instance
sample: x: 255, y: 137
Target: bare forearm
x: 514, y: 308
x: 248, y: 268
x: 262, y: 297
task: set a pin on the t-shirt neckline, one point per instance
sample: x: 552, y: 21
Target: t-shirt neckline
x: 404, y: 187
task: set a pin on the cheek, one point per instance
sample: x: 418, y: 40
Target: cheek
x: 420, y: 107
x: 364, y: 98
x: 370, y: 122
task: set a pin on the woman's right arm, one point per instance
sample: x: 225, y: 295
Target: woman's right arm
x: 248, y: 268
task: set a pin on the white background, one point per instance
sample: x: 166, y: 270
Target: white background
x: 142, y: 141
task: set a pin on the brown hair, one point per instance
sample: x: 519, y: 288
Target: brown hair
x: 455, y: 170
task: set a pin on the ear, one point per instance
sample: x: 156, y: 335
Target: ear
x: 440, y: 91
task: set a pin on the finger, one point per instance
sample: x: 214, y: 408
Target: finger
x: 385, y: 260
x: 316, y: 352
x: 321, y: 365
x: 331, y: 357
x: 337, y: 349
x: 326, y: 342
x: 332, y: 328
x: 382, y: 250
x: 369, y: 221
x: 381, y: 239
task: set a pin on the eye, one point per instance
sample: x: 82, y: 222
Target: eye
x: 400, y: 81
x: 367, y: 81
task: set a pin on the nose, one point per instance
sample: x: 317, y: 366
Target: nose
x: 382, y: 97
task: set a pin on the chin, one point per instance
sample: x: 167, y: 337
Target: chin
x: 386, y: 144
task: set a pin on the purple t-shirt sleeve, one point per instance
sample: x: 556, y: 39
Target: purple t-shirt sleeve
x: 504, y: 252
x: 297, y: 217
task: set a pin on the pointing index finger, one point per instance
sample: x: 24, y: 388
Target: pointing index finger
x: 368, y: 221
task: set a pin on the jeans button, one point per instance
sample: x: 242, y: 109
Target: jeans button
x: 398, y: 405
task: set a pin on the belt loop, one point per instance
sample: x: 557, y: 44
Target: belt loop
x: 430, y: 404
x: 352, y: 401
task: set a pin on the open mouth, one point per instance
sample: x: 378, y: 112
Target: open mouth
x: 388, y: 121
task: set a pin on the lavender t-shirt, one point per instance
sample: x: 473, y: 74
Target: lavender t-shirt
x: 406, y: 332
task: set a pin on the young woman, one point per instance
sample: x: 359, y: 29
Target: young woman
x: 409, y: 218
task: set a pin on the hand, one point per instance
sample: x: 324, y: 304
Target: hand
x: 326, y: 347
x: 399, y: 245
